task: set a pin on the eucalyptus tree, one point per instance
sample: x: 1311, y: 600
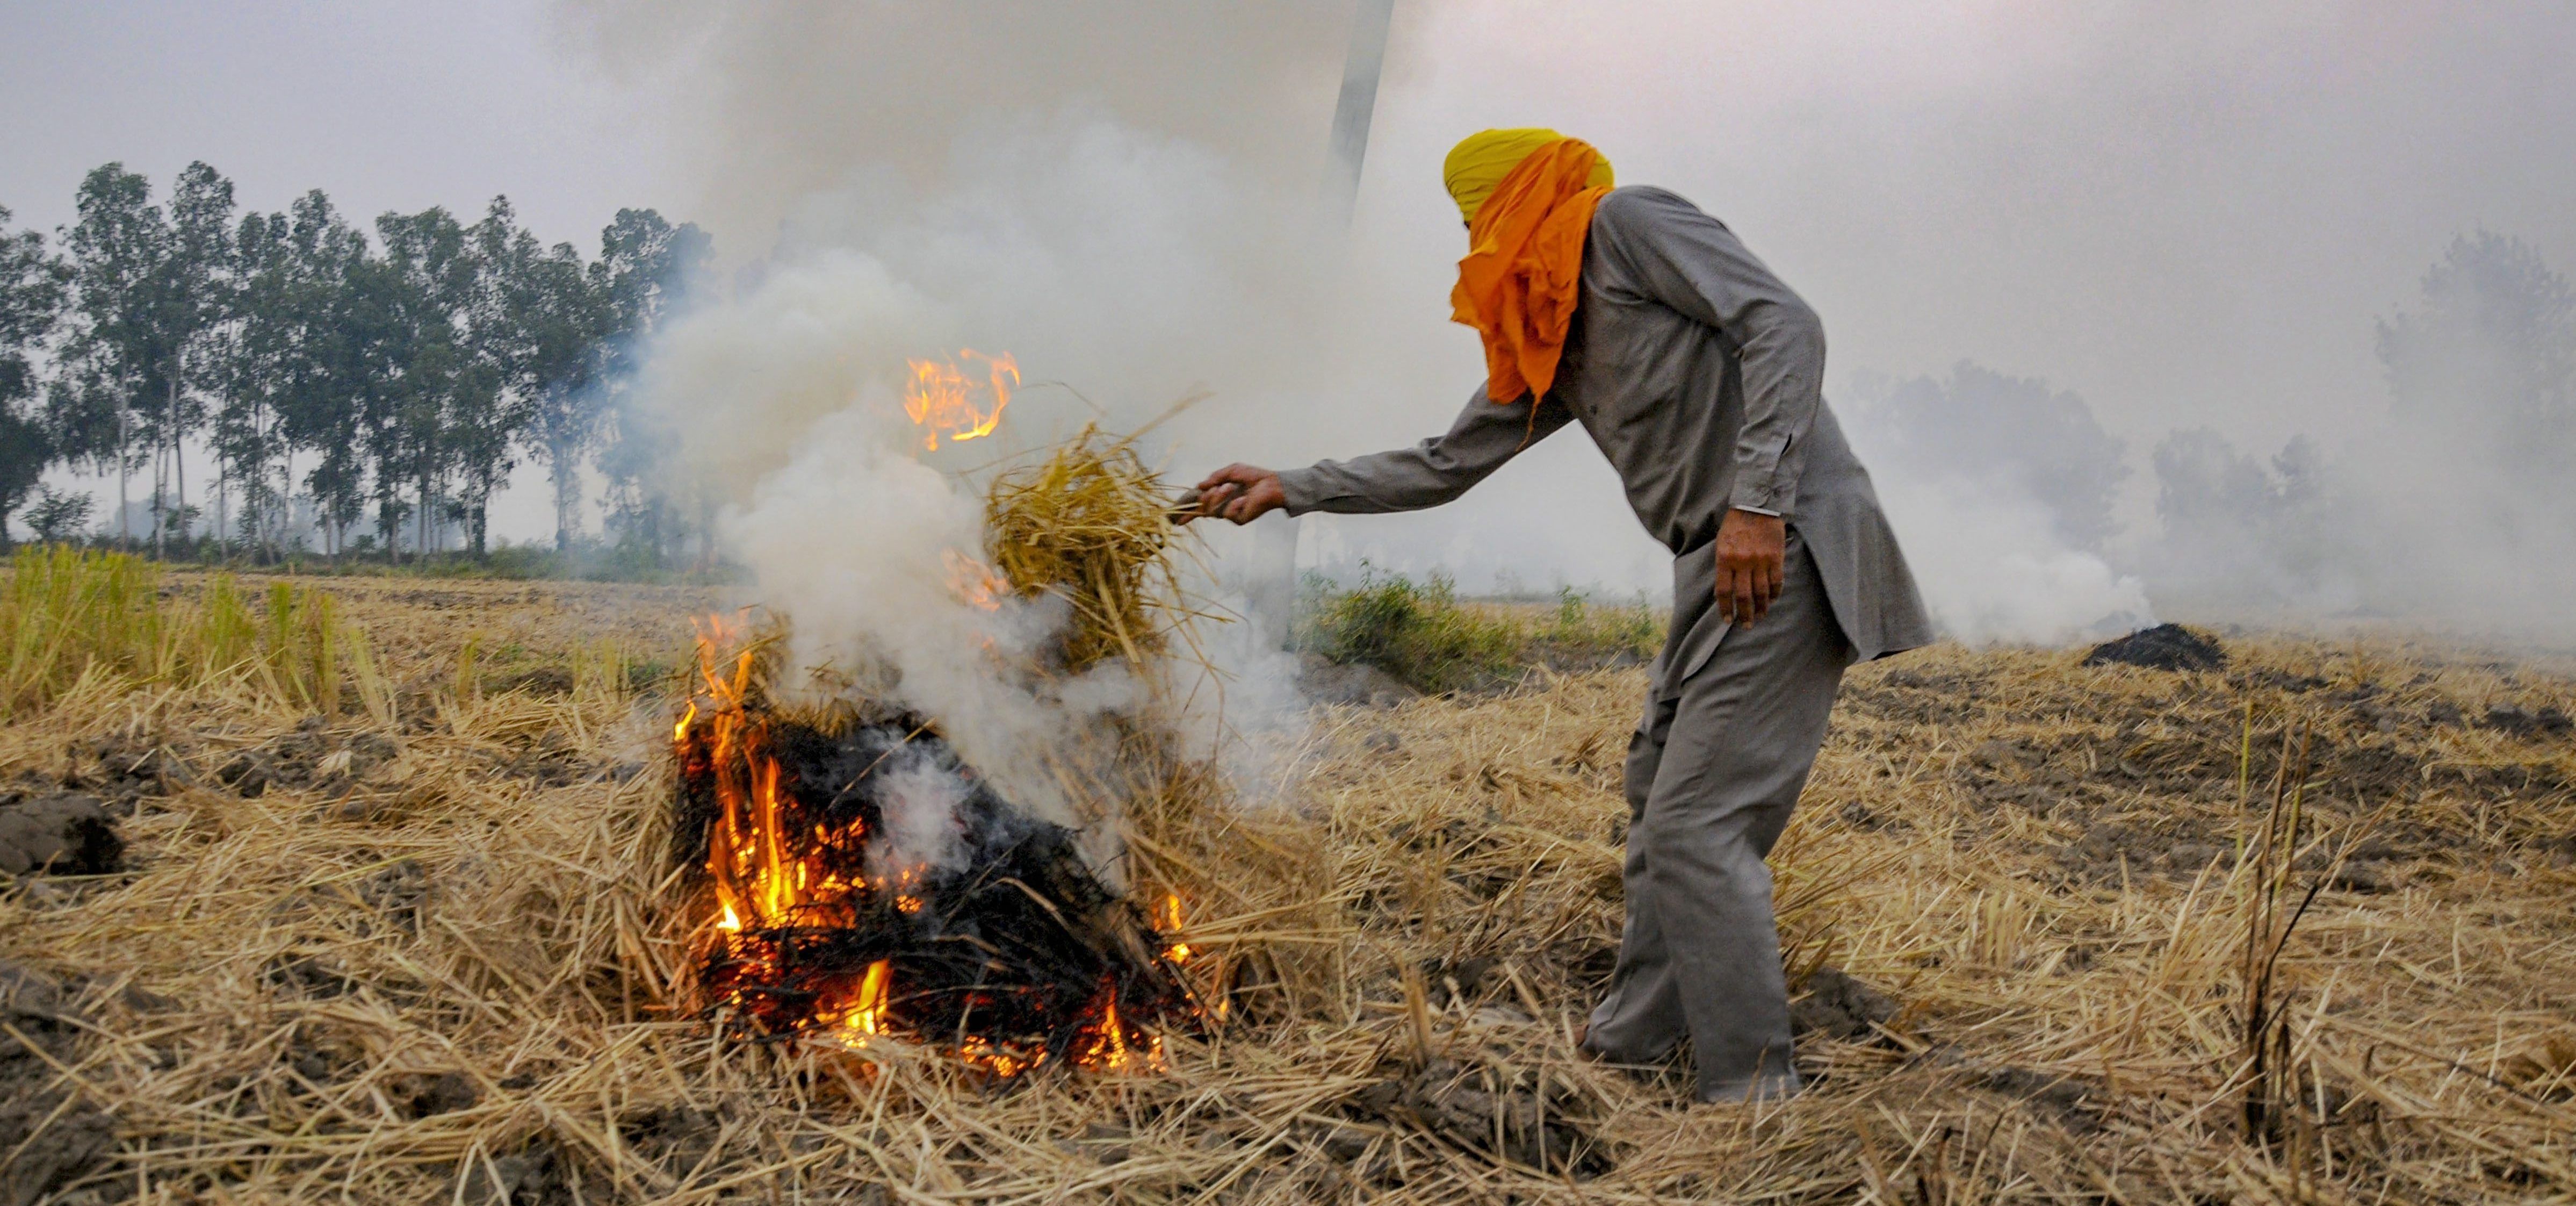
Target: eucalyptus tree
x: 2490, y: 358
x: 495, y: 405
x: 296, y: 357
x: 557, y: 311
x: 343, y: 326
x: 148, y: 293
x: 428, y: 284
x: 261, y: 365
x: 107, y: 361
x: 31, y: 298
x: 646, y: 266
x: 192, y: 299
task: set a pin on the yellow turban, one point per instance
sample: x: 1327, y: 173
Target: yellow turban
x: 1482, y: 159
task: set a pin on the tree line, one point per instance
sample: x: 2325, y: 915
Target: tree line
x: 334, y: 379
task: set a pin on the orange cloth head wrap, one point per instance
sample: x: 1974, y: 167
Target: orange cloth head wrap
x: 1518, y: 284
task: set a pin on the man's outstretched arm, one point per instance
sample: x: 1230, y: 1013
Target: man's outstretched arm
x: 1406, y: 479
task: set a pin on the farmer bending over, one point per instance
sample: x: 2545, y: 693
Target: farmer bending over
x: 1698, y: 373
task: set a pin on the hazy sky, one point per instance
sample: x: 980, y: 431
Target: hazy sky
x: 2188, y: 212
x: 384, y: 106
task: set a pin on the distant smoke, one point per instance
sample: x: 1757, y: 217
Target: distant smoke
x: 2452, y: 502
x: 2001, y: 491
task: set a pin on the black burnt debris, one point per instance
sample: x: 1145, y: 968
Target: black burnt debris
x: 863, y: 881
x: 2163, y: 647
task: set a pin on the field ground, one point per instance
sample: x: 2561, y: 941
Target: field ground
x: 420, y: 950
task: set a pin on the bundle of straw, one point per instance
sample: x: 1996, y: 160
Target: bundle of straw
x: 1091, y: 525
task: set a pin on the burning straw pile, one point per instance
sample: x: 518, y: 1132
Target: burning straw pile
x: 860, y: 881
x: 865, y: 882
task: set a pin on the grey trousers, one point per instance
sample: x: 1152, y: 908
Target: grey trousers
x: 1713, y: 772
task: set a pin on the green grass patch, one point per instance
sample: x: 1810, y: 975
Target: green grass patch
x: 1423, y: 633
x: 69, y: 616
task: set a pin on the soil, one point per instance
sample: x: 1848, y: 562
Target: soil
x: 537, y: 1175
x: 313, y: 756
x: 1838, y: 1006
x: 57, y: 1142
x: 2163, y: 647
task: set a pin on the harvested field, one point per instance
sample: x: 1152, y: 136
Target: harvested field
x: 422, y: 950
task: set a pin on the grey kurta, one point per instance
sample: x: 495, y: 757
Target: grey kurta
x: 1699, y: 374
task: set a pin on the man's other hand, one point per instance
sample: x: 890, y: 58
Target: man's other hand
x: 1241, y: 493
x: 1750, y: 547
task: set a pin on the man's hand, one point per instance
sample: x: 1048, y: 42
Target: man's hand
x: 1241, y: 493
x: 1749, y: 551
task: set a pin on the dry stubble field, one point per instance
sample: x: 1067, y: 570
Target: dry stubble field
x: 424, y: 949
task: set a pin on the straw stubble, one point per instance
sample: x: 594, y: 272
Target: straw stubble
x: 467, y: 988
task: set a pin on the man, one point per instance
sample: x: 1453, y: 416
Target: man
x: 1698, y: 373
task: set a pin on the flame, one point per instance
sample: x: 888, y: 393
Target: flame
x: 944, y: 400
x: 974, y: 583
x: 865, y: 1015
x: 1109, y: 1048
x: 1167, y: 920
x: 1000, y: 1061
x: 770, y: 881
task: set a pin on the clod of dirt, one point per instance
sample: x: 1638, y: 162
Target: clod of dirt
x: 396, y: 892
x: 422, y: 1095
x: 131, y: 768
x: 67, y: 834
x: 55, y: 1138
x: 1462, y: 980
x: 1838, y: 1006
x: 248, y: 774
x: 2108, y: 851
x: 543, y: 682
x: 2163, y: 647
x: 307, y: 976
x: 310, y: 757
x: 1326, y: 681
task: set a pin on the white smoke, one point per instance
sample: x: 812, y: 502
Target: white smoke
x: 1992, y: 570
x: 918, y: 803
x: 1091, y: 253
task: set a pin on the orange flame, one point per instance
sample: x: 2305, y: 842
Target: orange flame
x: 944, y: 400
x: 1168, y: 921
x: 1109, y: 1048
x: 974, y: 583
x: 763, y: 881
x: 865, y: 1015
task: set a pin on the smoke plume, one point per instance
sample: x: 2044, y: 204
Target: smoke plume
x: 2124, y: 201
